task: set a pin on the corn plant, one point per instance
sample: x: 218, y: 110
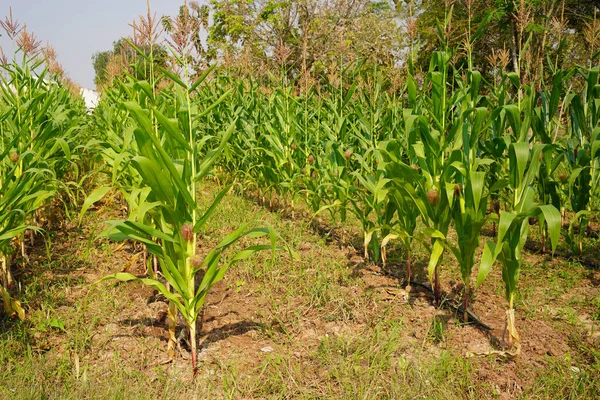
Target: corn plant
x: 400, y: 199
x: 171, y: 158
x: 433, y: 130
x: 372, y: 198
x: 583, y: 155
x: 469, y: 205
x: 17, y: 194
x: 40, y: 125
x: 470, y: 195
x: 338, y: 182
x: 548, y: 186
x: 431, y: 199
x: 513, y: 226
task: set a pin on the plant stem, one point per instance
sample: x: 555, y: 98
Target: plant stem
x: 408, y: 261
x: 510, y: 322
x: 193, y: 346
x: 4, y: 273
x: 155, y: 266
x: 466, y: 302
x: 172, y: 324
x: 436, y: 286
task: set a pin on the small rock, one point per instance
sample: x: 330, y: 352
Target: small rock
x: 267, y: 349
x: 575, y: 370
x: 477, y: 348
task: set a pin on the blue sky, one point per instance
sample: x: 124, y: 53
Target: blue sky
x: 79, y: 28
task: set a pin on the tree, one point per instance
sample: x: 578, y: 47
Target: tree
x: 540, y: 35
x: 111, y: 63
x: 303, y: 37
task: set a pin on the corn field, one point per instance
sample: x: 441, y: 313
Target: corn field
x: 474, y: 171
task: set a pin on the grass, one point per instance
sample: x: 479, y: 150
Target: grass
x: 338, y: 328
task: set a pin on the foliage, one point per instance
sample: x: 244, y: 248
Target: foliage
x: 41, y: 128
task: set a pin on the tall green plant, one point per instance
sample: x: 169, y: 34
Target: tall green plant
x: 513, y: 227
x: 171, y: 159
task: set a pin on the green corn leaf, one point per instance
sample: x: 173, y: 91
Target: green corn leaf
x: 488, y: 258
x: 213, y: 155
x: 433, y: 234
x: 173, y: 77
x: 155, y: 178
x: 592, y: 81
x: 129, y: 230
x: 476, y: 185
x: 140, y: 115
x: 326, y: 207
x: 148, y: 230
x: 96, y: 195
x: 557, y: 85
x: 13, y: 232
x: 173, y: 275
x: 234, y: 236
x: 504, y: 224
x: 145, y: 87
x: 434, y: 259
x: 251, y: 250
x: 217, y: 200
x: 202, y: 78
x: 553, y: 220
x: 214, y: 104
x: 170, y: 125
x: 518, y: 157
x: 164, y: 162
x: 514, y: 79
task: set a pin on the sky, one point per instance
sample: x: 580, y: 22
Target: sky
x: 79, y: 28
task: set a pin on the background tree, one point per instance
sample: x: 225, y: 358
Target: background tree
x: 540, y: 35
x: 316, y: 41
x: 111, y: 63
x: 303, y: 37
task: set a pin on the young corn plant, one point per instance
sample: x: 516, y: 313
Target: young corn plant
x: 334, y: 162
x: 40, y: 122
x: 430, y: 195
x: 548, y: 188
x: 172, y: 156
x: 172, y: 180
x: 469, y: 207
x: 17, y: 194
x: 583, y: 155
x: 513, y: 228
x: 339, y: 182
x: 372, y: 200
x: 428, y: 174
x: 470, y: 198
x: 403, y: 228
x: 407, y: 214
